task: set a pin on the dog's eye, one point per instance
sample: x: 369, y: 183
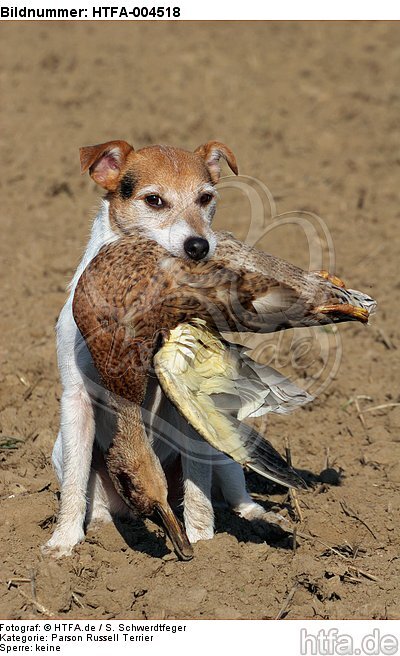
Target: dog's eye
x: 205, y: 199
x: 154, y: 200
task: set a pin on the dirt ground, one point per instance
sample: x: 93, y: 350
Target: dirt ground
x: 312, y: 110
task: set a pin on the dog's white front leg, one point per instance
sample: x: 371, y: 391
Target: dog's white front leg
x: 77, y: 435
x: 198, y: 513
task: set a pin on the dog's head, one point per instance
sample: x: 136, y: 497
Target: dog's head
x: 167, y: 193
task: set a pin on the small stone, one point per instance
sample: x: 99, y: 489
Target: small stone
x: 393, y: 472
x: 53, y: 586
x: 169, y: 556
x: 139, y: 593
x: 169, y: 569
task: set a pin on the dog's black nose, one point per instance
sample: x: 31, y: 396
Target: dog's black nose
x: 196, y: 247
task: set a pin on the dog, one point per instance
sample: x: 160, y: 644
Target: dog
x: 169, y: 195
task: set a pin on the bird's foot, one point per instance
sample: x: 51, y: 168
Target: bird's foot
x: 331, y: 278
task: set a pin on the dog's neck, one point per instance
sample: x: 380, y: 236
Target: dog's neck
x: 101, y: 234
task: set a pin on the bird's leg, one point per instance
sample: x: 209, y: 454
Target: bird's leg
x: 343, y: 310
x: 330, y: 277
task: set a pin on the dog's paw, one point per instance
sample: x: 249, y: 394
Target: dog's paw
x: 61, y: 545
x: 253, y: 512
x: 267, y: 525
x: 55, y: 550
x: 99, y: 515
x: 196, y: 534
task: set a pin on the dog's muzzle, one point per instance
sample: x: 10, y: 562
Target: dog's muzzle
x: 196, y: 248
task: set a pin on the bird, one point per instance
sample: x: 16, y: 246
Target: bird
x: 138, y: 307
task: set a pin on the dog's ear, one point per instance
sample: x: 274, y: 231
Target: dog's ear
x: 212, y: 152
x: 104, y: 162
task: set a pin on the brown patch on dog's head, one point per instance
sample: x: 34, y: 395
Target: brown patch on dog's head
x: 169, y: 167
x: 164, y: 192
x: 211, y: 153
x: 105, y: 162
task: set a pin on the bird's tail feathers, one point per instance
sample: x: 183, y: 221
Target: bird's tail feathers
x: 264, y: 459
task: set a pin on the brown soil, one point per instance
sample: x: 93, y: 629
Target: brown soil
x: 312, y: 109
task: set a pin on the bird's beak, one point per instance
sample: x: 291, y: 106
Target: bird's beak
x: 176, y: 532
x: 351, y: 311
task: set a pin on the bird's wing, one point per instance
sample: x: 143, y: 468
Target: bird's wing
x: 215, y: 385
